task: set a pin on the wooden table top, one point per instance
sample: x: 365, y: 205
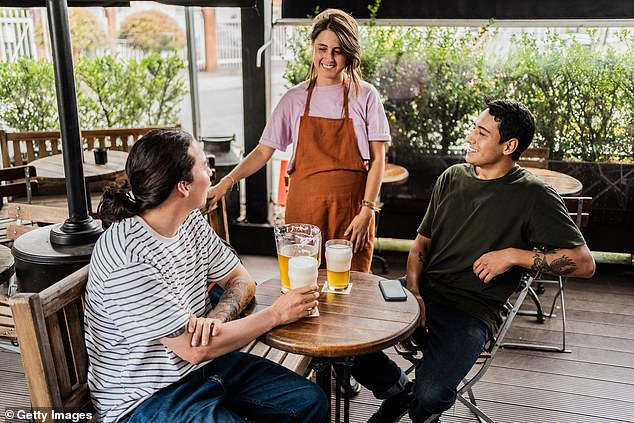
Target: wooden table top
x: 6, y: 263
x: 562, y: 183
x: 394, y: 174
x: 51, y: 168
x: 348, y: 325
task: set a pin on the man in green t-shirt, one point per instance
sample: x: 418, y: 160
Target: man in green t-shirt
x: 488, y: 220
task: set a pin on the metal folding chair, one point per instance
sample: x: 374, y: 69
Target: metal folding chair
x: 410, y: 351
x: 578, y: 208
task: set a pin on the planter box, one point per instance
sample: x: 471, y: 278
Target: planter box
x: 611, y: 185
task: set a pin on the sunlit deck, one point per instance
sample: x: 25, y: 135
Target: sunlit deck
x: 594, y: 383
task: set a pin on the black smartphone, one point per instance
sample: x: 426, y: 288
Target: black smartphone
x: 392, y: 290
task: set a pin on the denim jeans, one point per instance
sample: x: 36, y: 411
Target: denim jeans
x: 455, y: 343
x: 232, y: 388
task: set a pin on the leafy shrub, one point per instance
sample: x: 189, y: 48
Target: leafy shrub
x: 434, y: 81
x: 110, y: 92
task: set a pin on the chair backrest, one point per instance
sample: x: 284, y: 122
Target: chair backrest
x: 18, y: 181
x: 578, y: 209
x: 535, y: 157
x: 20, y: 148
x: 50, y: 331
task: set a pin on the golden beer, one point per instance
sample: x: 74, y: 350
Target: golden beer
x: 293, y: 250
x: 338, y: 280
x: 338, y: 261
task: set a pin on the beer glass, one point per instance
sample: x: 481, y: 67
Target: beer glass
x: 302, y: 271
x: 338, y: 260
x: 292, y: 240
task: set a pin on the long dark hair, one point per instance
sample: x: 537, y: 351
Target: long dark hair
x: 157, y: 162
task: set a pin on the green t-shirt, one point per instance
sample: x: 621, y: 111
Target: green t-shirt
x: 468, y: 217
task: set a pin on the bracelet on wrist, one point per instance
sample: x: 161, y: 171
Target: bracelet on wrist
x: 233, y: 181
x: 371, y: 205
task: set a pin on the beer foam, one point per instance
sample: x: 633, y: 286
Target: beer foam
x: 338, y: 258
x: 302, y: 270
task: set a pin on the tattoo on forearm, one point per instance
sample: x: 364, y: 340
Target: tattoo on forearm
x: 234, y: 299
x: 421, y: 257
x: 177, y: 332
x: 559, y: 266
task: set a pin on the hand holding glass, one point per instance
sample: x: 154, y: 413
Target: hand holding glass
x: 303, y: 271
x: 338, y: 261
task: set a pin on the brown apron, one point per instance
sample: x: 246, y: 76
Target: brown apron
x: 327, y: 182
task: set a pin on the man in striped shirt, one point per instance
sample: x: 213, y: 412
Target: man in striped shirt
x: 158, y: 350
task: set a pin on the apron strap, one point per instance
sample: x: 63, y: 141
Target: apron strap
x: 346, y: 88
x: 308, y: 96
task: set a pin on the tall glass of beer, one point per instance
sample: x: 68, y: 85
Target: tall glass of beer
x: 294, y: 240
x: 338, y: 260
x: 302, y: 271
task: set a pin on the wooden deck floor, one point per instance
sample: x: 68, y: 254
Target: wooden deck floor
x: 593, y: 384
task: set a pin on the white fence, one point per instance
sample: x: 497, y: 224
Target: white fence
x: 16, y: 34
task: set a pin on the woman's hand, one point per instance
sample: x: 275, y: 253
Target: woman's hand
x: 219, y: 190
x: 359, y: 228
x: 202, y: 329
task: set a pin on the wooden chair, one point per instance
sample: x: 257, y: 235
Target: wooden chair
x: 18, y: 181
x: 535, y: 157
x: 29, y: 216
x: 411, y: 350
x: 28, y: 146
x: 578, y: 209
x: 50, y: 332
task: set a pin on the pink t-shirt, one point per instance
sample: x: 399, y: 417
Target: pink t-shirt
x: 366, y: 111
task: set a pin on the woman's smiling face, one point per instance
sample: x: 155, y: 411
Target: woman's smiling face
x: 328, y: 58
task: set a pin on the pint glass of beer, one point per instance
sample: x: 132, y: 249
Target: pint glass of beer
x: 294, y: 240
x: 338, y: 260
x: 302, y: 271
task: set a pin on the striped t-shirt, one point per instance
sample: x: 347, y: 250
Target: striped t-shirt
x: 142, y: 287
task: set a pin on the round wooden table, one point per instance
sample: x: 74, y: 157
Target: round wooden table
x: 51, y: 168
x: 394, y: 174
x: 359, y: 323
x: 563, y: 184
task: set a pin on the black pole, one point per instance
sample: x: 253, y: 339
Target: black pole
x: 79, y: 228
x: 254, y: 103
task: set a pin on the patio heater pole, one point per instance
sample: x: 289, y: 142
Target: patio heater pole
x: 79, y: 228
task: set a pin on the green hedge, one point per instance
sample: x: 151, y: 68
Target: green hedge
x: 434, y: 82
x: 110, y: 92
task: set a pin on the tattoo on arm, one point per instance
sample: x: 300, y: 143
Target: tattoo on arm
x: 177, y: 332
x: 558, y: 266
x: 234, y: 299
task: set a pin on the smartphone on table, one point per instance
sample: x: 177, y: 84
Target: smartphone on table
x: 392, y: 290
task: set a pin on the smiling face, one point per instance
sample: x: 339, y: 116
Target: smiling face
x: 328, y: 58
x: 484, y: 149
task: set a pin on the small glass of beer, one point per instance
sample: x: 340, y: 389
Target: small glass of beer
x: 294, y: 240
x: 338, y: 260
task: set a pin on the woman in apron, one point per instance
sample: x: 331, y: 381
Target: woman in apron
x: 337, y: 125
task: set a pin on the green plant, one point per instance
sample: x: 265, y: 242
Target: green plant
x: 27, y: 95
x: 152, y: 30
x: 163, y: 88
x: 109, y: 92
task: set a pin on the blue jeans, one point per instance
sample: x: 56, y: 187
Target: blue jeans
x: 455, y: 343
x: 232, y: 388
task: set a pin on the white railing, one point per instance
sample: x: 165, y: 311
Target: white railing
x: 16, y: 34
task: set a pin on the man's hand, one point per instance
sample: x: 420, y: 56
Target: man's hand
x: 359, y: 228
x: 494, y: 263
x: 294, y: 304
x: 202, y: 329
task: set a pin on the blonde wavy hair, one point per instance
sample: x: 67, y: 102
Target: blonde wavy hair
x: 347, y: 31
